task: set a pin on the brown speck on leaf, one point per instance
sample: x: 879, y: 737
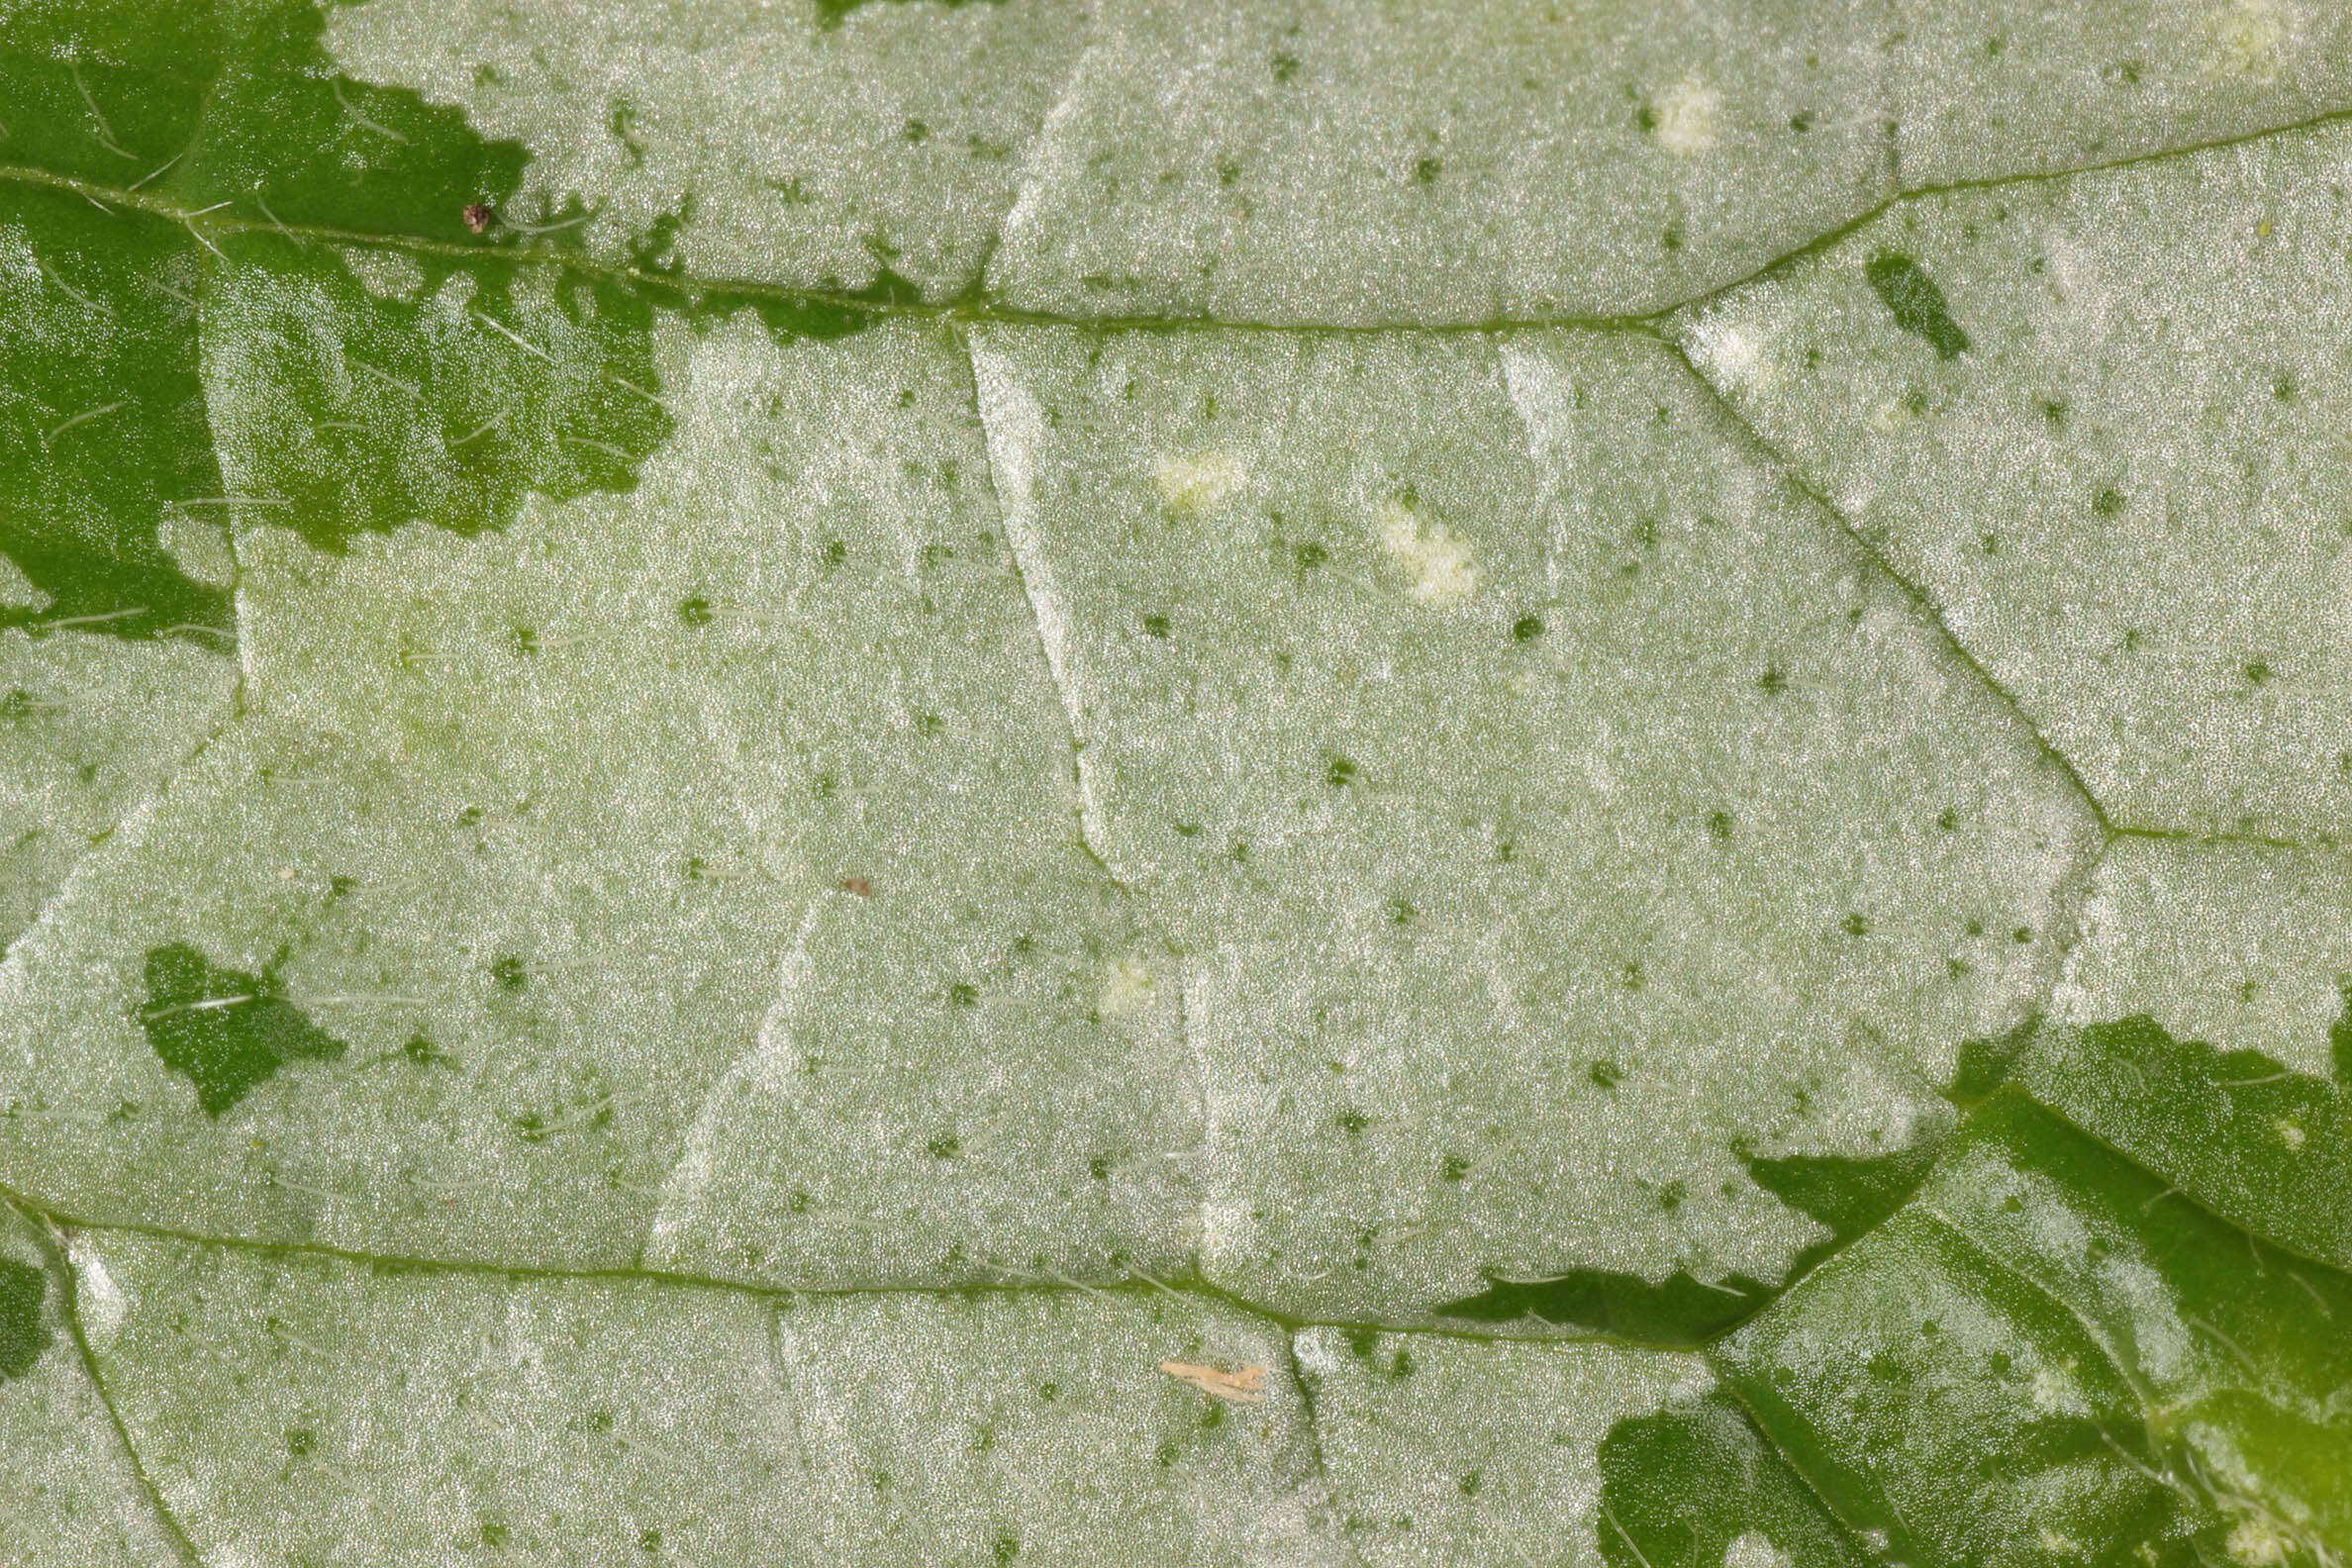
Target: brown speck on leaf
x: 857, y: 885
x: 1241, y: 1385
x: 477, y: 217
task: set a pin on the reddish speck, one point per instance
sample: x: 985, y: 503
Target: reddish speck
x: 477, y: 217
x: 857, y: 885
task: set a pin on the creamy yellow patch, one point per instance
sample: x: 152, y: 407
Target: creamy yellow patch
x: 1201, y: 482
x: 2246, y: 36
x: 1688, y: 117
x: 2257, y: 1543
x: 1732, y: 353
x: 2290, y: 1134
x: 20, y: 592
x: 1129, y: 988
x: 1434, y: 559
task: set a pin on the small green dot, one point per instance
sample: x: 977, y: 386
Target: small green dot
x: 1526, y: 628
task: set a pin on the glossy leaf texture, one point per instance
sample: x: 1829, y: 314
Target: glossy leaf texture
x: 1011, y: 782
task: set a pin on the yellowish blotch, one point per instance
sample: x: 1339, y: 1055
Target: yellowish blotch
x: 2060, y: 1544
x: 2290, y: 1134
x: 1201, y: 482
x: 1129, y: 988
x: 2257, y: 1543
x: 1434, y: 559
x: 1732, y: 353
x: 1688, y: 117
x: 1241, y: 1385
x: 2246, y: 36
x: 20, y: 592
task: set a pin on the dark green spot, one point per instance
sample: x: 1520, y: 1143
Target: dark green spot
x: 1526, y: 628
x: 1856, y: 926
x: 1453, y: 1168
x: 24, y: 1333
x: 830, y: 12
x: 508, y: 971
x: 1155, y: 626
x: 1351, y: 1122
x: 943, y: 1146
x: 223, y: 1030
x: 1340, y: 772
x: 1606, y: 1074
x: 695, y: 612
x: 963, y: 994
x: 1772, y: 682
x: 1917, y: 304
x: 2108, y: 503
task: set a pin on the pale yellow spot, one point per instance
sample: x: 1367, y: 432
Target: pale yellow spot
x: 2060, y: 1544
x: 1753, y: 1550
x: 20, y: 592
x: 1241, y: 1385
x: 1687, y: 114
x: 200, y: 549
x: 1434, y: 559
x: 2290, y: 1134
x: 1201, y: 482
x: 2262, y: 230
x: 2051, y: 1395
x: 2246, y: 36
x: 2257, y: 1543
x: 1732, y: 353
x: 1129, y: 988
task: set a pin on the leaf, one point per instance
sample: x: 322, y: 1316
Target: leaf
x: 931, y: 782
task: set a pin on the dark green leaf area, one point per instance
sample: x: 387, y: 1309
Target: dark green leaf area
x: 388, y: 388
x: 287, y: 137
x: 1849, y: 1196
x: 23, y: 1326
x: 200, y: 104
x: 102, y: 417
x: 2048, y: 1353
x: 1917, y: 303
x: 2240, y: 1352
x: 220, y: 1028
x: 1683, y: 1485
x: 2267, y: 1147
x: 829, y: 13
x: 105, y: 90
